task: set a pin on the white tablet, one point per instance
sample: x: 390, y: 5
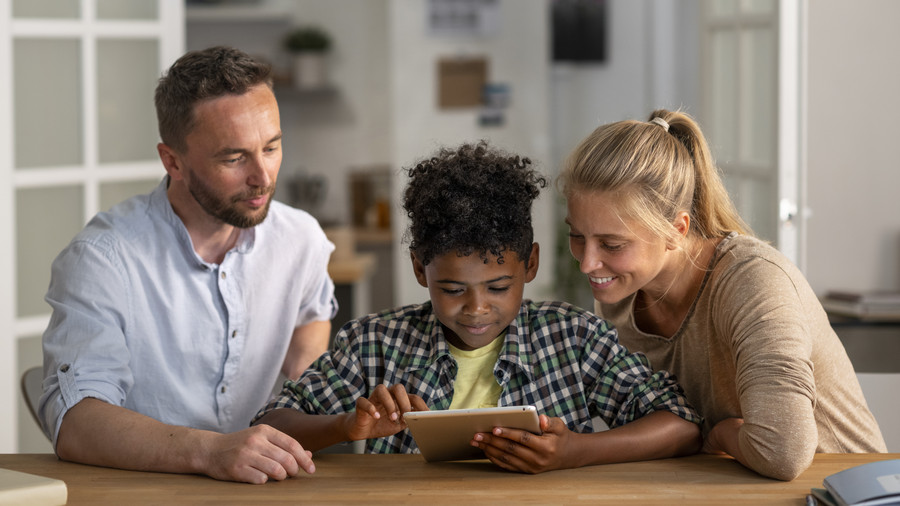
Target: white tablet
x: 447, y: 434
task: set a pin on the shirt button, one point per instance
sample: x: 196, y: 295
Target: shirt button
x: 233, y: 333
x: 223, y: 274
x: 64, y: 368
x: 223, y: 390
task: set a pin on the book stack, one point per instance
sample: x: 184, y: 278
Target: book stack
x: 875, y: 483
x: 871, y: 306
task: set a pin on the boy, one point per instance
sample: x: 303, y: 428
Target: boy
x: 477, y: 343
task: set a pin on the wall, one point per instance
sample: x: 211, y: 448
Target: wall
x: 653, y: 62
x: 518, y: 55
x: 854, y: 230
x: 351, y: 130
x: 647, y: 67
x: 326, y: 134
x: 384, y: 111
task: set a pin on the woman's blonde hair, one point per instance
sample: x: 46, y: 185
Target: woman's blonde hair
x: 655, y: 170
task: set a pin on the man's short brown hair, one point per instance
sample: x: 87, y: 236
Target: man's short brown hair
x: 201, y: 75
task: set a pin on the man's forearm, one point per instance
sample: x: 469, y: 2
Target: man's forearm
x: 98, y: 433
x: 94, y: 432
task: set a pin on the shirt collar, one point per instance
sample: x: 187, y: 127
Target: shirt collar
x: 515, y: 355
x: 160, y: 206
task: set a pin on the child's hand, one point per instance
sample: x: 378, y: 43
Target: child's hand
x: 382, y: 413
x: 522, y: 451
x: 723, y: 438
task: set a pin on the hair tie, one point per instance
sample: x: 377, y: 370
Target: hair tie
x: 661, y: 122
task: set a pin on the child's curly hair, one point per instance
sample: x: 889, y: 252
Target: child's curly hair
x: 474, y: 198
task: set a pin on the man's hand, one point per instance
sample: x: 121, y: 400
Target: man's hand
x: 253, y: 455
x: 522, y: 451
x: 382, y: 413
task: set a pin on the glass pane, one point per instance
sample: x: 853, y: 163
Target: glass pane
x: 758, y: 6
x: 755, y: 202
x: 127, y: 9
x: 722, y: 135
x: 30, y: 438
x: 46, y: 220
x: 47, y: 98
x: 759, y: 103
x: 113, y: 193
x: 45, y: 8
x: 759, y: 208
x: 732, y: 186
x: 127, y: 72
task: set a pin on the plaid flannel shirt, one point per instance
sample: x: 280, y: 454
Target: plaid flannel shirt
x: 563, y: 360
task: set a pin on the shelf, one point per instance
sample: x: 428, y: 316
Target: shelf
x: 217, y: 13
x: 290, y: 92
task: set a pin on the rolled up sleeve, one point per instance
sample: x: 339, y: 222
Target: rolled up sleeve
x: 85, y: 354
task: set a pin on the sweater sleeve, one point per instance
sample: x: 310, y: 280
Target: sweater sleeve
x: 760, y: 311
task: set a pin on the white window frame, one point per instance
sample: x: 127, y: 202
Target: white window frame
x: 168, y: 30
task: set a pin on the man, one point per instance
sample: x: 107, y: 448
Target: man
x: 173, y: 311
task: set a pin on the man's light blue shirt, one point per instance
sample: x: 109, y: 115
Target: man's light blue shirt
x: 141, y: 321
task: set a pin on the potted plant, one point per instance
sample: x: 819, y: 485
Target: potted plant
x: 309, y: 46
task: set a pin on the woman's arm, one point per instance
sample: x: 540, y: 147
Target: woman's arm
x: 761, y: 310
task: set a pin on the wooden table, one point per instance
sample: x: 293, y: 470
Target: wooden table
x: 370, y: 479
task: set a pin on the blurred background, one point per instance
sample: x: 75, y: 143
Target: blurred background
x: 796, y: 98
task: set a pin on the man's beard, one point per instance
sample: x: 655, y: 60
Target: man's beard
x: 225, y: 209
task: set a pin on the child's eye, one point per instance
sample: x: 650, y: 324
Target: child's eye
x: 498, y: 289
x: 452, y: 291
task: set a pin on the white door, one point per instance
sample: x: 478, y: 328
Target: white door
x: 753, y: 112
x: 77, y: 135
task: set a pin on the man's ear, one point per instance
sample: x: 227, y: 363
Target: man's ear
x: 418, y: 269
x: 170, y: 160
x: 531, y: 269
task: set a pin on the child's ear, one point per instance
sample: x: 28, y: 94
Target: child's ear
x: 533, y: 260
x: 418, y: 269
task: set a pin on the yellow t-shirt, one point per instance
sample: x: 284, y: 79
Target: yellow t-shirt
x: 475, y: 385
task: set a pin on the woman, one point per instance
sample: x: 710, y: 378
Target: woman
x: 678, y: 272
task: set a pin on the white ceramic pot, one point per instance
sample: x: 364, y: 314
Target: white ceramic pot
x: 310, y: 70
